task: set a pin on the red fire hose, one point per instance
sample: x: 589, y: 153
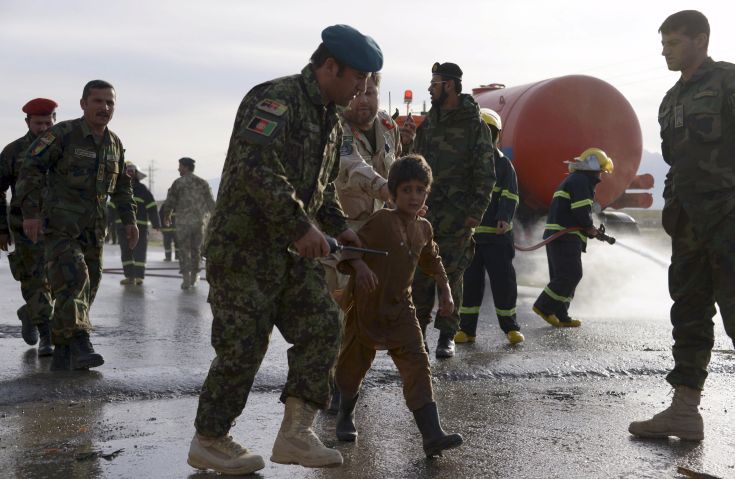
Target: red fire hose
x: 600, y: 236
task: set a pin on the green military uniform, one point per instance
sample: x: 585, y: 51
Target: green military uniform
x: 27, y: 262
x: 697, y: 119
x: 190, y: 198
x: 169, y: 236
x: 458, y: 146
x: 78, y: 172
x: 277, y: 179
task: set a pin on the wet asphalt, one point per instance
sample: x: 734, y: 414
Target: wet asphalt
x: 555, y: 406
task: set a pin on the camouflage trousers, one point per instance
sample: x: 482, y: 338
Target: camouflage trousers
x: 701, y: 274
x: 28, y: 267
x: 245, y: 312
x: 189, y: 244
x: 456, y: 253
x: 74, y: 268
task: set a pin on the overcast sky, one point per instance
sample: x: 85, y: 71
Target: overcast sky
x: 181, y: 67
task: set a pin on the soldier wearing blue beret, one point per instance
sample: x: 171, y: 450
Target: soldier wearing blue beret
x: 275, y: 204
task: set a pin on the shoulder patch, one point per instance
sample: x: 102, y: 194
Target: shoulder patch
x: 347, y: 146
x: 272, y: 106
x: 706, y: 93
x: 42, y: 143
x: 262, y: 126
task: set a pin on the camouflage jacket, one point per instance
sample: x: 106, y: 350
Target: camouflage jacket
x: 190, y: 197
x: 459, y: 148
x: 79, y: 174
x: 278, y: 175
x: 697, y: 120
x: 503, y: 201
x: 10, y: 161
x: 363, y: 170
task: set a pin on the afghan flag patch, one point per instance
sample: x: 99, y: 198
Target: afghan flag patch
x: 272, y: 106
x: 42, y: 143
x: 262, y: 126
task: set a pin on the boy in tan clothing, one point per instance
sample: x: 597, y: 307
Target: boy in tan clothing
x: 380, y: 311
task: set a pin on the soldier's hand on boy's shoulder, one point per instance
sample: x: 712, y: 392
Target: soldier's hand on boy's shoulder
x: 313, y: 244
x: 446, y: 303
x: 365, y: 280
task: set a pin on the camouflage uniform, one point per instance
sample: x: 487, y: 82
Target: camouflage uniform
x: 78, y: 174
x: 277, y: 179
x: 697, y: 119
x: 26, y: 263
x: 458, y: 146
x: 190, y: 198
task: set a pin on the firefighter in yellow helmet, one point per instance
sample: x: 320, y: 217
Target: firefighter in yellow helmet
x: 571, y: 207
x: 494, y: 251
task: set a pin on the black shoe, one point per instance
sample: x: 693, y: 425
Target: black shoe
x: 28, y: 330
x: 44, y: 344
x: 435, y: 439
x: 346, y: 430
x: 445, y: 346
x: 82, y: 353
x: 62, y: 358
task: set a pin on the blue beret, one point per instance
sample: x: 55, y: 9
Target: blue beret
x: 352, y: 48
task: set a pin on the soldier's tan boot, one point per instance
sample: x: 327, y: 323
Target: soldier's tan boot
x: 222, y: 454
x: 681, y: 419
x: 185, y: 283
x: 296, y: 442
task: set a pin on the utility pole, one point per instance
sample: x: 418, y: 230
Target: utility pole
x: 151, y: 170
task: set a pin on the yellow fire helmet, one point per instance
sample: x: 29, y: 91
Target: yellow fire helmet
x: 592, y: 159
x: 491, y: 117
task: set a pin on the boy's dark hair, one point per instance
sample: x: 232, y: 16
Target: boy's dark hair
x: 408, y: 168
x: 95, y: 85
x: 689, y: 22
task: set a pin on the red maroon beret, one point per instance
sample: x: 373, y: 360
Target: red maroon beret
x: 40, y: 106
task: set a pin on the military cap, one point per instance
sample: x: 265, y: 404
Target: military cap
x: 186, y: 161
x: 129, y: 165
x: 450, y: 70
x: 352, y: 48
x: 40, y: 106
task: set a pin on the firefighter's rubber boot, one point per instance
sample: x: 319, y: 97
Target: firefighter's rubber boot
x: 681, y: 419
x: 346, y: 429
x: 61, y: 361
x: 445, y: 346
x: 222, y: 454
x: 82, y: 352
x: 127, y: 281
x: 435, y: 439
x: 44, y: 340
x: 515, y: 337
x: 296, y: 442
x: 28, y: 330
x: 461, y: 337
x: 549, y: 318
x: 569, y: 323
x: 138, y: 281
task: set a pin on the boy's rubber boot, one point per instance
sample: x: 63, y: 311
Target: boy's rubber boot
x: 346, y: 429
x: 682, y: 419
x: 445, y: 346
x: 435, y: 439
x: 296, y: 442
x: 82, y: 352
x: 28, y: 330
x: 222, y: 454
x: 44, y: 340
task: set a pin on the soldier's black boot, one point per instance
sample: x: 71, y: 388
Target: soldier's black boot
x: 28, y: 330
x: 62, y: 358
x: 44, y: 344
x: 445, y: 346
x: 435, y: 439
x: 346, y: 430
x: 82, y: 352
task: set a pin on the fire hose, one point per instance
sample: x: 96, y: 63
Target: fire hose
x: 600, y: 236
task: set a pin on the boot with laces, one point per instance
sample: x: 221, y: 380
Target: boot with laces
x: 297, y: 443
x: 681, y: 419
x: 223, y: 455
